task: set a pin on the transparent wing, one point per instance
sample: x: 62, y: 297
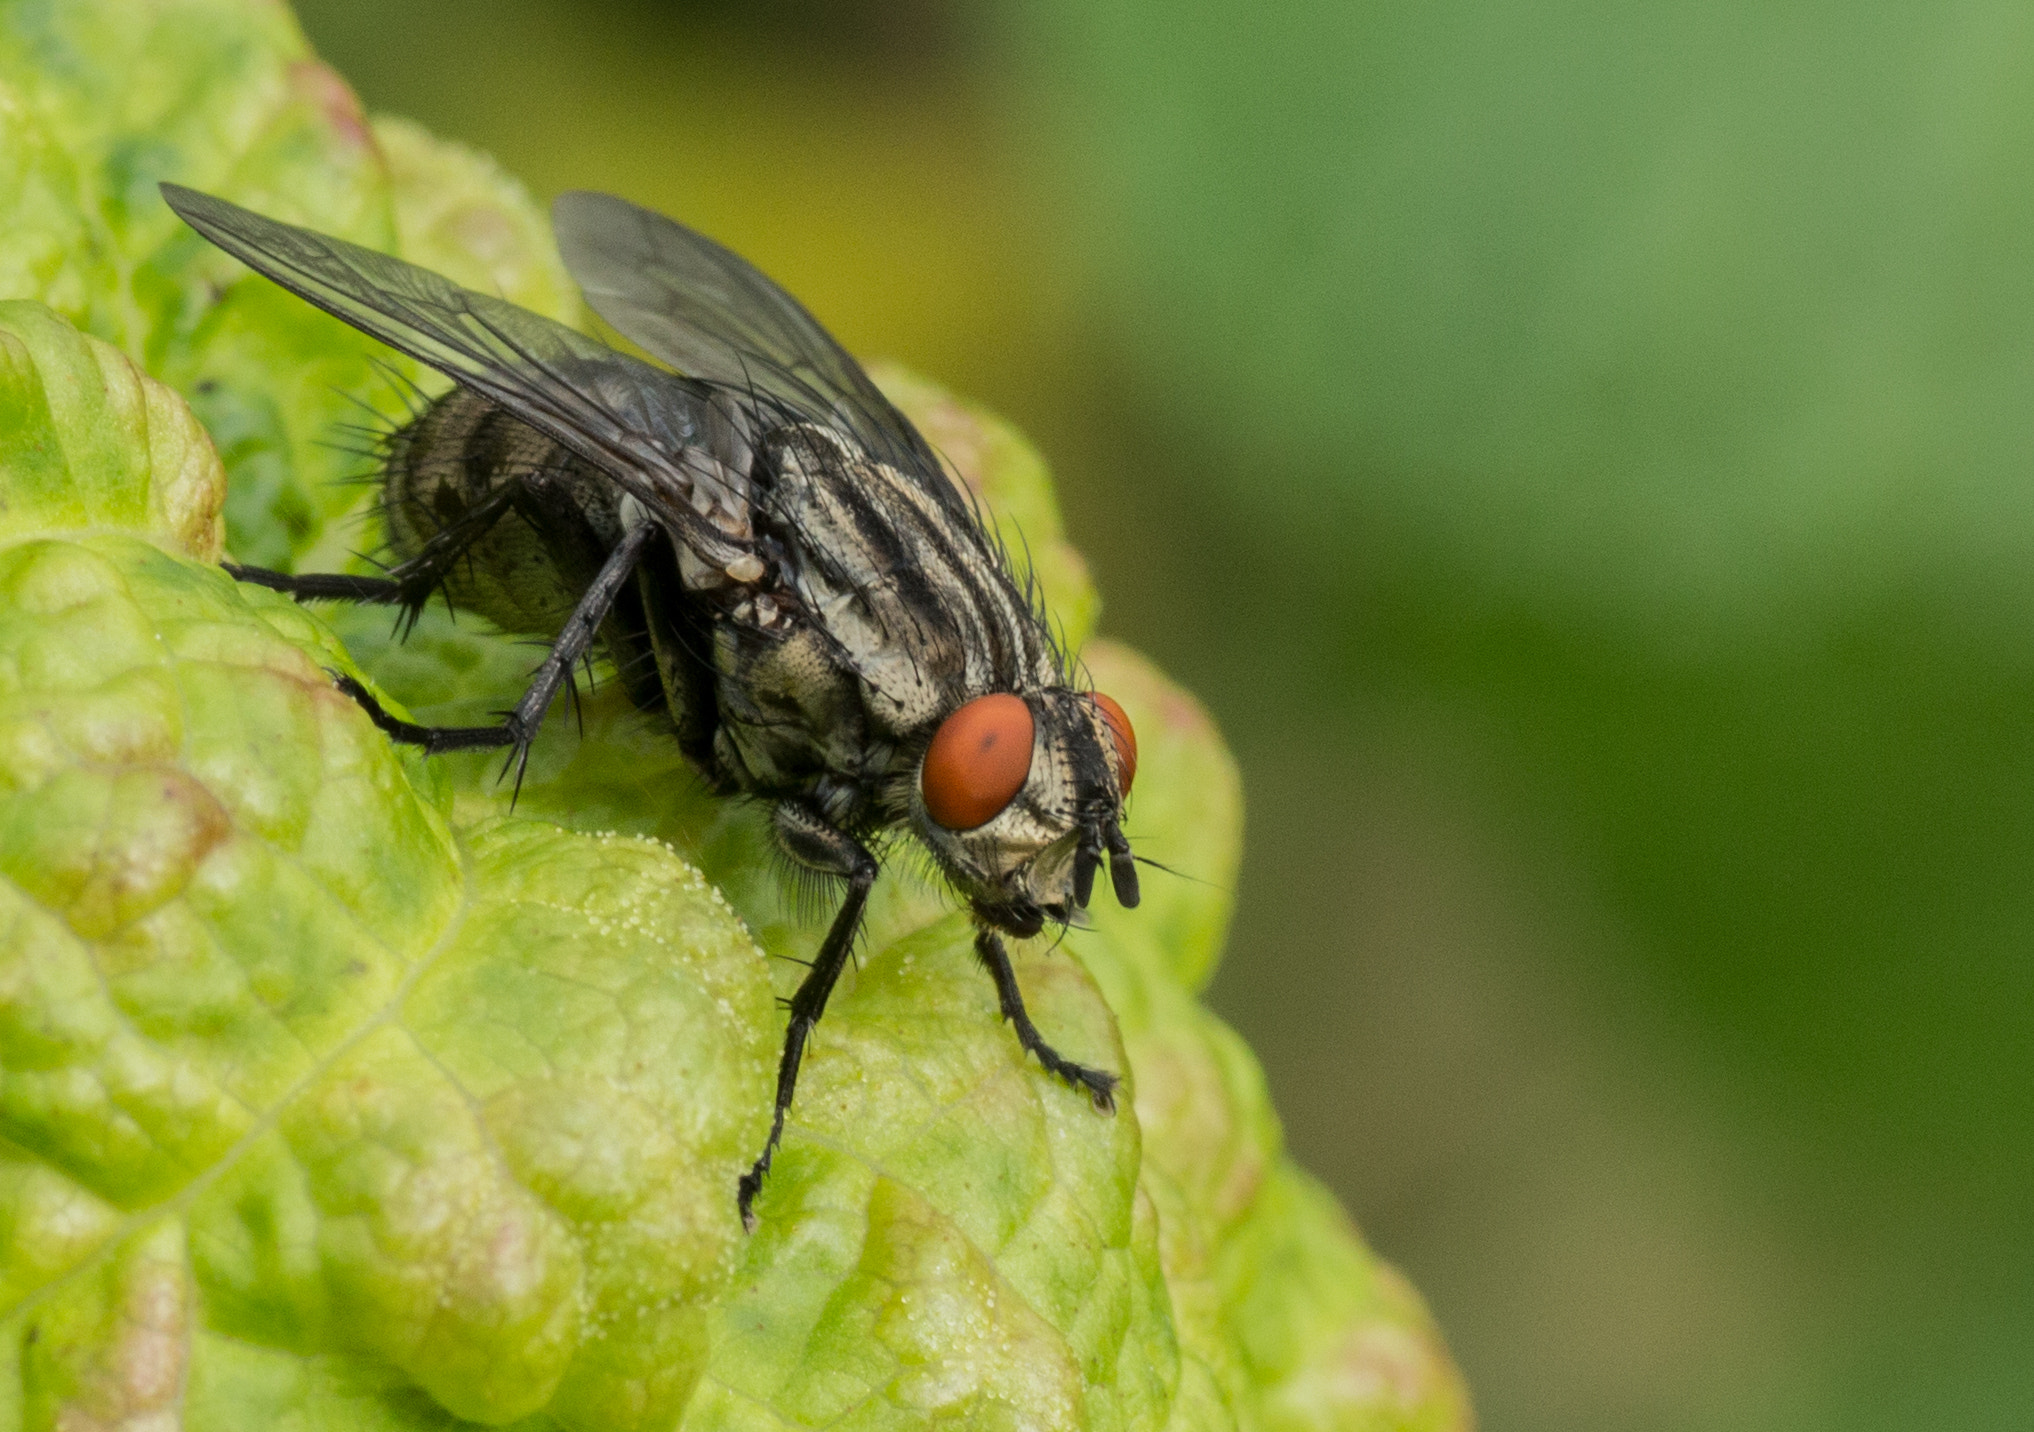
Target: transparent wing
x: 712, y: 315
x: 664, y: 440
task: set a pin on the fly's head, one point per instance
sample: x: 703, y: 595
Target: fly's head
x: 1020, y: 799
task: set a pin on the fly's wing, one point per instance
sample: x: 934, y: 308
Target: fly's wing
x: 664, y: 441
x: 713, y: 316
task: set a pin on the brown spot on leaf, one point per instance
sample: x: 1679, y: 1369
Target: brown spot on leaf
x: 160, y: 825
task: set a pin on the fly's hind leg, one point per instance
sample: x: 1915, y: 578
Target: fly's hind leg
x: 1098, y: 1084
x: 519, y: 727
x: 409, y: 584
x: 817, y: 844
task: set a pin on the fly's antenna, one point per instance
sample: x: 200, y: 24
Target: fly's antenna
x: 1181, y: 874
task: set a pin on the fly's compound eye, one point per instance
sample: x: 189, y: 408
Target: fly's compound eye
x: 977, y: 762
x: 1125, y: 737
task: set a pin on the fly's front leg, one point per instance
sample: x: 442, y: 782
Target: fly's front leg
x: 1098, y: 1084
x: 520, y: 727
x: 817, y: 844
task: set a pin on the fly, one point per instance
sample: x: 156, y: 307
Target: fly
x: 767, y: 551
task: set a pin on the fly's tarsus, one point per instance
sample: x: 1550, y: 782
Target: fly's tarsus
x: 435, y: 740
x: 1098, y: 1084
x: 316, y: 586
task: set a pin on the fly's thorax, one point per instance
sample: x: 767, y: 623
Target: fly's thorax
x: 910, y: 590
x: 532, y: 564
x: 1020, y: 862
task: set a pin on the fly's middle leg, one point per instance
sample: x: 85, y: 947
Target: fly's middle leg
x: 1098, y: 1084
x: 816, y: 843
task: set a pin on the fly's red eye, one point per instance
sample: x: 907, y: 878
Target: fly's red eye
x: 977, y: 762
x: 1126, y: 738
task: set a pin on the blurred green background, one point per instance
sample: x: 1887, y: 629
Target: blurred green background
x: 1584, y: 453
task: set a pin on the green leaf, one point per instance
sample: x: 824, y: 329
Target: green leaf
x: 291, y: 1062
x: 334, y: 1094
x: 100, y: 101
x: 91, y: 442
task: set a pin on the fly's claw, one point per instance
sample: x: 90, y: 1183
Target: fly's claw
x: 1098, y: 1084
x: 518, y: 761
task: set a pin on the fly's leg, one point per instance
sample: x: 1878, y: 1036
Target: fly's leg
x: 1098, y: 1084
x: 408, y: 584
x: 817, y: 844
x: 574, y: 641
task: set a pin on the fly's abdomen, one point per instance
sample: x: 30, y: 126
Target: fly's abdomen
x: 525, y: 566
x: 534, y: 522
